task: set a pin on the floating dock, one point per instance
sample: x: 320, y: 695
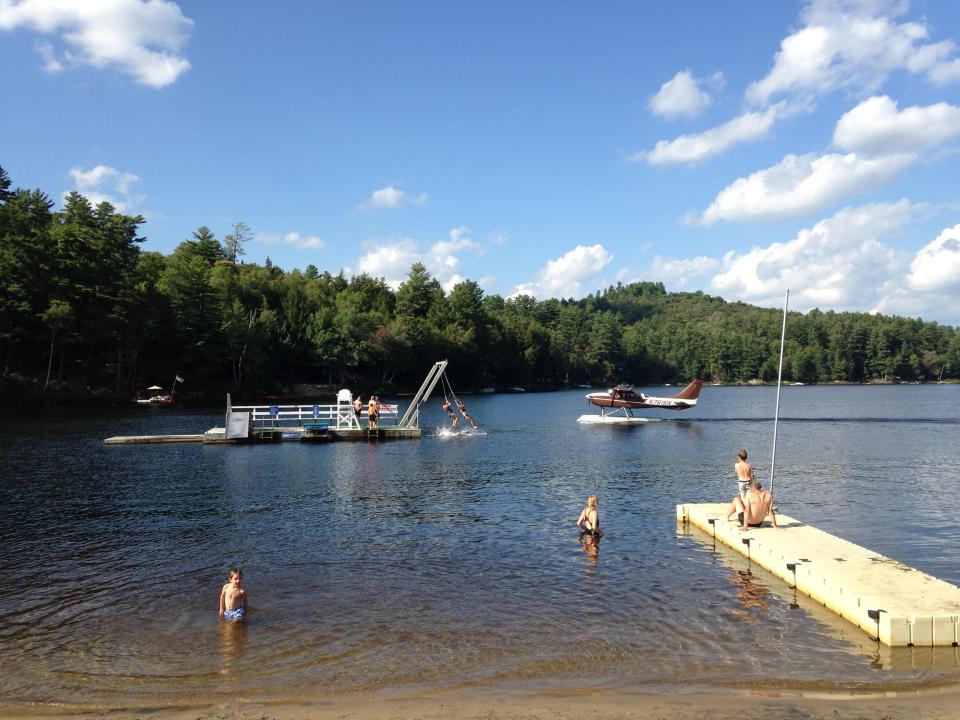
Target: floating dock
x: 306, y: 423
x: 217, y: 436
x: 152, y: 439
x: 896, y: 604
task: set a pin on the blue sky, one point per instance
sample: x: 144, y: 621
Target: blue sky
x: 548, y: 148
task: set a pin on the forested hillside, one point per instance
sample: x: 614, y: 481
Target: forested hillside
x: 85, y: 312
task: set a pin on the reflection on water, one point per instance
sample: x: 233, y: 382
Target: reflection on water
x: 752, y: 598
x: 759, y: 593
x: 454, y: 562
x: 590, y: 544
x: 233, y: 642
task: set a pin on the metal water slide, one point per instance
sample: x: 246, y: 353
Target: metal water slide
x: 411, y: 418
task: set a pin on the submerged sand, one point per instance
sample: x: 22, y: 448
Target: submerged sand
x: 600, y: 705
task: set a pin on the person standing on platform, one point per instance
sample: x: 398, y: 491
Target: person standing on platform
x: 744, y: 472
x: 358, y: 408
x: 372, y: 413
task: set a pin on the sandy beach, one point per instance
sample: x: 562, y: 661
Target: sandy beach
x: 497, y: 705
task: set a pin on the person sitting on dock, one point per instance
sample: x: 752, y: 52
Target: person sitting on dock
x: 463, y: 411
x: 589, y: 520
x: 453, y: 416
x: 372, y: 413
x: 233, y: 598
x: 744, y: 472
x: 754, y: 507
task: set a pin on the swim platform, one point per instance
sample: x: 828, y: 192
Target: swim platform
x: 897, y: 604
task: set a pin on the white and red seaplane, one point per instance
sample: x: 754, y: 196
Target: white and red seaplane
x: 624, y: 399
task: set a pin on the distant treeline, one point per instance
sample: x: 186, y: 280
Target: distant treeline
x: 84, y: 311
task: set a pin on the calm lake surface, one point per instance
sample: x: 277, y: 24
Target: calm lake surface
x: 453, y: 562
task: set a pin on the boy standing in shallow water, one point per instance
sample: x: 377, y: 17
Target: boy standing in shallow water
x: 233, y: 598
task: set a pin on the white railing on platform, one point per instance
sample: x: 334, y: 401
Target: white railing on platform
x: 264, y: 417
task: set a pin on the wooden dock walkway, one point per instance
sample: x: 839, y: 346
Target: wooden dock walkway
x: 899, y: 605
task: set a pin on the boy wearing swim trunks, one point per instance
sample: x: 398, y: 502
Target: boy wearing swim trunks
x: 233, y: 598
x: 744, y: 471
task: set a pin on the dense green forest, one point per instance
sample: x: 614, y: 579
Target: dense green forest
x: 84, y: 312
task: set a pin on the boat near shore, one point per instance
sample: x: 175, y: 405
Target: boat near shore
x: 157, y: 398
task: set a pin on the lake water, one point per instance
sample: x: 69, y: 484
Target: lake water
x: 454, y: 562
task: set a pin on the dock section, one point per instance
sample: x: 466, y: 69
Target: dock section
x: 897, y: 604
x: 152, y: 439
x: 308, y: 423
x: 218, y: 436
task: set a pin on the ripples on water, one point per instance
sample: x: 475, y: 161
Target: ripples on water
x: 453, y: 561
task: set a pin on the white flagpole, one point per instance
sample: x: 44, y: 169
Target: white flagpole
x: 776, y: 412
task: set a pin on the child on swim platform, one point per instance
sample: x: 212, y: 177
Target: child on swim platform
x: 233, y: 598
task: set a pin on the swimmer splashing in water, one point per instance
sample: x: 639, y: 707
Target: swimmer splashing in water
x: 463, y: 411
x: 453, y: 416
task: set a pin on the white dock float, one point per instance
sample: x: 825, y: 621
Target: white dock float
x: 151, y: 439
x: 899, y: 605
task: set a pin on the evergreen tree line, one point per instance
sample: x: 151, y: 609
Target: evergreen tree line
x: 85, y: 311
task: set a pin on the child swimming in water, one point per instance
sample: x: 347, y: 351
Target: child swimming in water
x: 233, y: 598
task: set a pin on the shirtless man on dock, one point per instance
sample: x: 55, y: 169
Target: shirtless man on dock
x: 754, y: 507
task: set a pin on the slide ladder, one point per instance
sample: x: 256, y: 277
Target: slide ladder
x: 411, y: 418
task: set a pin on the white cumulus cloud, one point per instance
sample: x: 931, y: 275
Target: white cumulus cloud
x: 141, y: 38
x: 852, y: 44
x: 389, y: 198
x: 564, y: 276
x: 682, y: 95
x: 392, y: 260
x: 293, y: 239
x: 801, y: 184
x: 102, y: 183
x: 842, y: 45
x: 839, y: 263
x: 936, y: 265
x: 877, y: 127
x: 680, y: 274
x: 693, y: 148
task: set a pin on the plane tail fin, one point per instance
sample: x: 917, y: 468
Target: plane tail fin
x: 690, y: 392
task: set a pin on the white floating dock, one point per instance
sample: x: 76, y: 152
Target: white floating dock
x: 152, y: 439
x: 899, y: 605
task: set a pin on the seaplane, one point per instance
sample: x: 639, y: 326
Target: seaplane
x: 617, y: 404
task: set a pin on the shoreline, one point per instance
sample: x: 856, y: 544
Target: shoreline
x: 497, y: 703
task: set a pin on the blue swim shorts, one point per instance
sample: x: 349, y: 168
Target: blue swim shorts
x: 233, y: 614
x: 743, y: 486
